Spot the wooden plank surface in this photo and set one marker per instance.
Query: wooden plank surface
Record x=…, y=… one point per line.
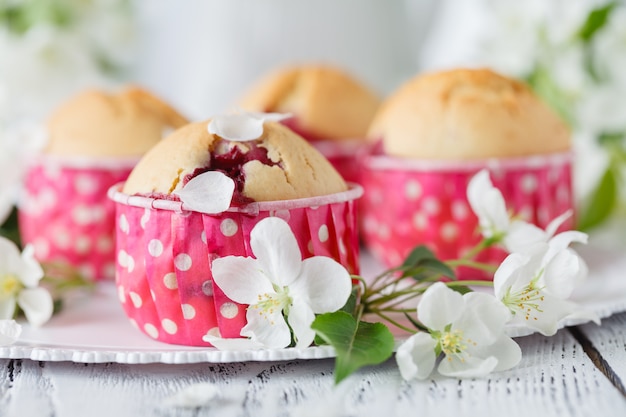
x=555, y=377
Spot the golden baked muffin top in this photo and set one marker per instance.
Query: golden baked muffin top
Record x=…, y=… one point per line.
x=465, y=114
x=327, y=102
x=100, y=124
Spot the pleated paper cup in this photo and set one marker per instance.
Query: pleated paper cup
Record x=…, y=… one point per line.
x=64, y=211
x=411, y=202
x=164, y=256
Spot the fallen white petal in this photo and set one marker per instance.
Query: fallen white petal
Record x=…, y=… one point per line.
x=196, y=395
x=210, y=192
x=232, y=343
x=9, y=332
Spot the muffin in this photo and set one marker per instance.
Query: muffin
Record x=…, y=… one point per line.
x=165, y=249
x=437, y=131
x=329, y=108
x=94, y=140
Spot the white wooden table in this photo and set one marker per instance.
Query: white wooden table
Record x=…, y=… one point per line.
x=578, y=372
x=581, y=371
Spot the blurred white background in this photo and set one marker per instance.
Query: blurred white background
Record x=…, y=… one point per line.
x=202, y=55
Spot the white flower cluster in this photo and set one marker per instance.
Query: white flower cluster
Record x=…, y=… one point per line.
x=55, y=47
x=573, y=53
x=531, y=290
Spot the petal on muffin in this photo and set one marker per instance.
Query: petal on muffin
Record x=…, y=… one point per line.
x=210, y=192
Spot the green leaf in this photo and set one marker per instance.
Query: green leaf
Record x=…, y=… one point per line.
x=417, y=255
x=429, y=268
x=422, y=263
x=463, y=289
x=601, y=202
x=349, y=307
x=544, y=86
x=357, y=344
x=595, y=21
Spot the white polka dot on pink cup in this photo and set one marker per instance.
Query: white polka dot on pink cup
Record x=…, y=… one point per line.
x=65, y=213
x=164, y=255
x=413, y=202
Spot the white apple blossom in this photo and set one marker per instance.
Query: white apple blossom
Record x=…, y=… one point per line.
x=9, y=332
x=536, y=285
x=45, y=58
x=19, y=279
x=282, y=291
x=469, y=330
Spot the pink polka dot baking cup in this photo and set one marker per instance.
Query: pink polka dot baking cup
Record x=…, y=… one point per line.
x=409, y=202
x=164, y=256
x=65, y=214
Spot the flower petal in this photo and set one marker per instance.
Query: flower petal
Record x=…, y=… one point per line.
x=272, y=116
x=554, y=225
x=241, y=279
x=469, y=367
x=508, y=353
x=31, y=271
x=267, y=328
x=239, y=343
x=194, y=396
x=562, y=273
x=7, y=308
x=10, y=262
x=439, y=306
x=324, y=285
x=504, y=349
x=238, y=127
x=210, y=192
x=300, y=318
x=416, y=356
x=9, y=332
x=488, y=204
x=546, y=318
x=561, y=241
x=517, y=270
x=36, y=304
x=483, y=319
x=276, y=249
x=522, y=235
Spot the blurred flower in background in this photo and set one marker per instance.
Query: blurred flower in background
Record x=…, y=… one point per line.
x=52, y=48
x=49, y=49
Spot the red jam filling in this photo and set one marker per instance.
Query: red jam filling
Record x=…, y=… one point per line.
x=231, y=164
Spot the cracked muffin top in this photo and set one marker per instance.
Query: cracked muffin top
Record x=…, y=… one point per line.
x=278, y=165
x=326, y=102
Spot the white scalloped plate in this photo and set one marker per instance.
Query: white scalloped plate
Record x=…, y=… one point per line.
x=94, y=329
